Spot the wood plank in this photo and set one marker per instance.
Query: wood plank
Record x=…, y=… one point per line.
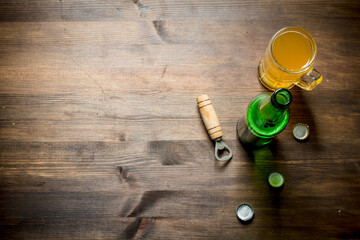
x=159, y=223
x=50, y=34
x=40, y=10
x=73, y=117
x=107, y=156
x=244, y=177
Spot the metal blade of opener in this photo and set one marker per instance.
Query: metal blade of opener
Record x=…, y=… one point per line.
x=221, y=146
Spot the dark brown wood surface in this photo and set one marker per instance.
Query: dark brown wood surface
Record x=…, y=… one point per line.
x=101, y=137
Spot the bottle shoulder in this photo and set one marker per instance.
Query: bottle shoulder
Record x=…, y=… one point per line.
x=261, y=124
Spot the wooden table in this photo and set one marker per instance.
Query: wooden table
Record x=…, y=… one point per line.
x=101, y=137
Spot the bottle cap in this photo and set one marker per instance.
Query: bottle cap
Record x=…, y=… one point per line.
x=245, y=213
x=276, y=180
x=301, y=131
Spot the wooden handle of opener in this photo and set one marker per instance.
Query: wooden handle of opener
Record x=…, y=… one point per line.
x=209, y=116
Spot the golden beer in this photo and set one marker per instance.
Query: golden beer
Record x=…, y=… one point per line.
x=288, y=61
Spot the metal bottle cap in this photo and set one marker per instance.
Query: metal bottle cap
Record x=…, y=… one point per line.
x=276, y=180
x=245, y=213
x=301, y=131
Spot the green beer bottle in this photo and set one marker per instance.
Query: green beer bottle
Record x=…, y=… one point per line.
x=267, y=115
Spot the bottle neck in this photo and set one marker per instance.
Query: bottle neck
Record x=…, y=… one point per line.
x=272, y=108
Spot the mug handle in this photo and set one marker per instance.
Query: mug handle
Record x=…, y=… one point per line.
x=309, y=80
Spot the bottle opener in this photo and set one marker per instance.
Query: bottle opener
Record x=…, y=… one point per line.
x=212, y=126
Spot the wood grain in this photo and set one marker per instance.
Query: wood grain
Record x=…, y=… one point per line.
x=101, y=138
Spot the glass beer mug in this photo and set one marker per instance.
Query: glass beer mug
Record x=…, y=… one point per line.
x=288, y=61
